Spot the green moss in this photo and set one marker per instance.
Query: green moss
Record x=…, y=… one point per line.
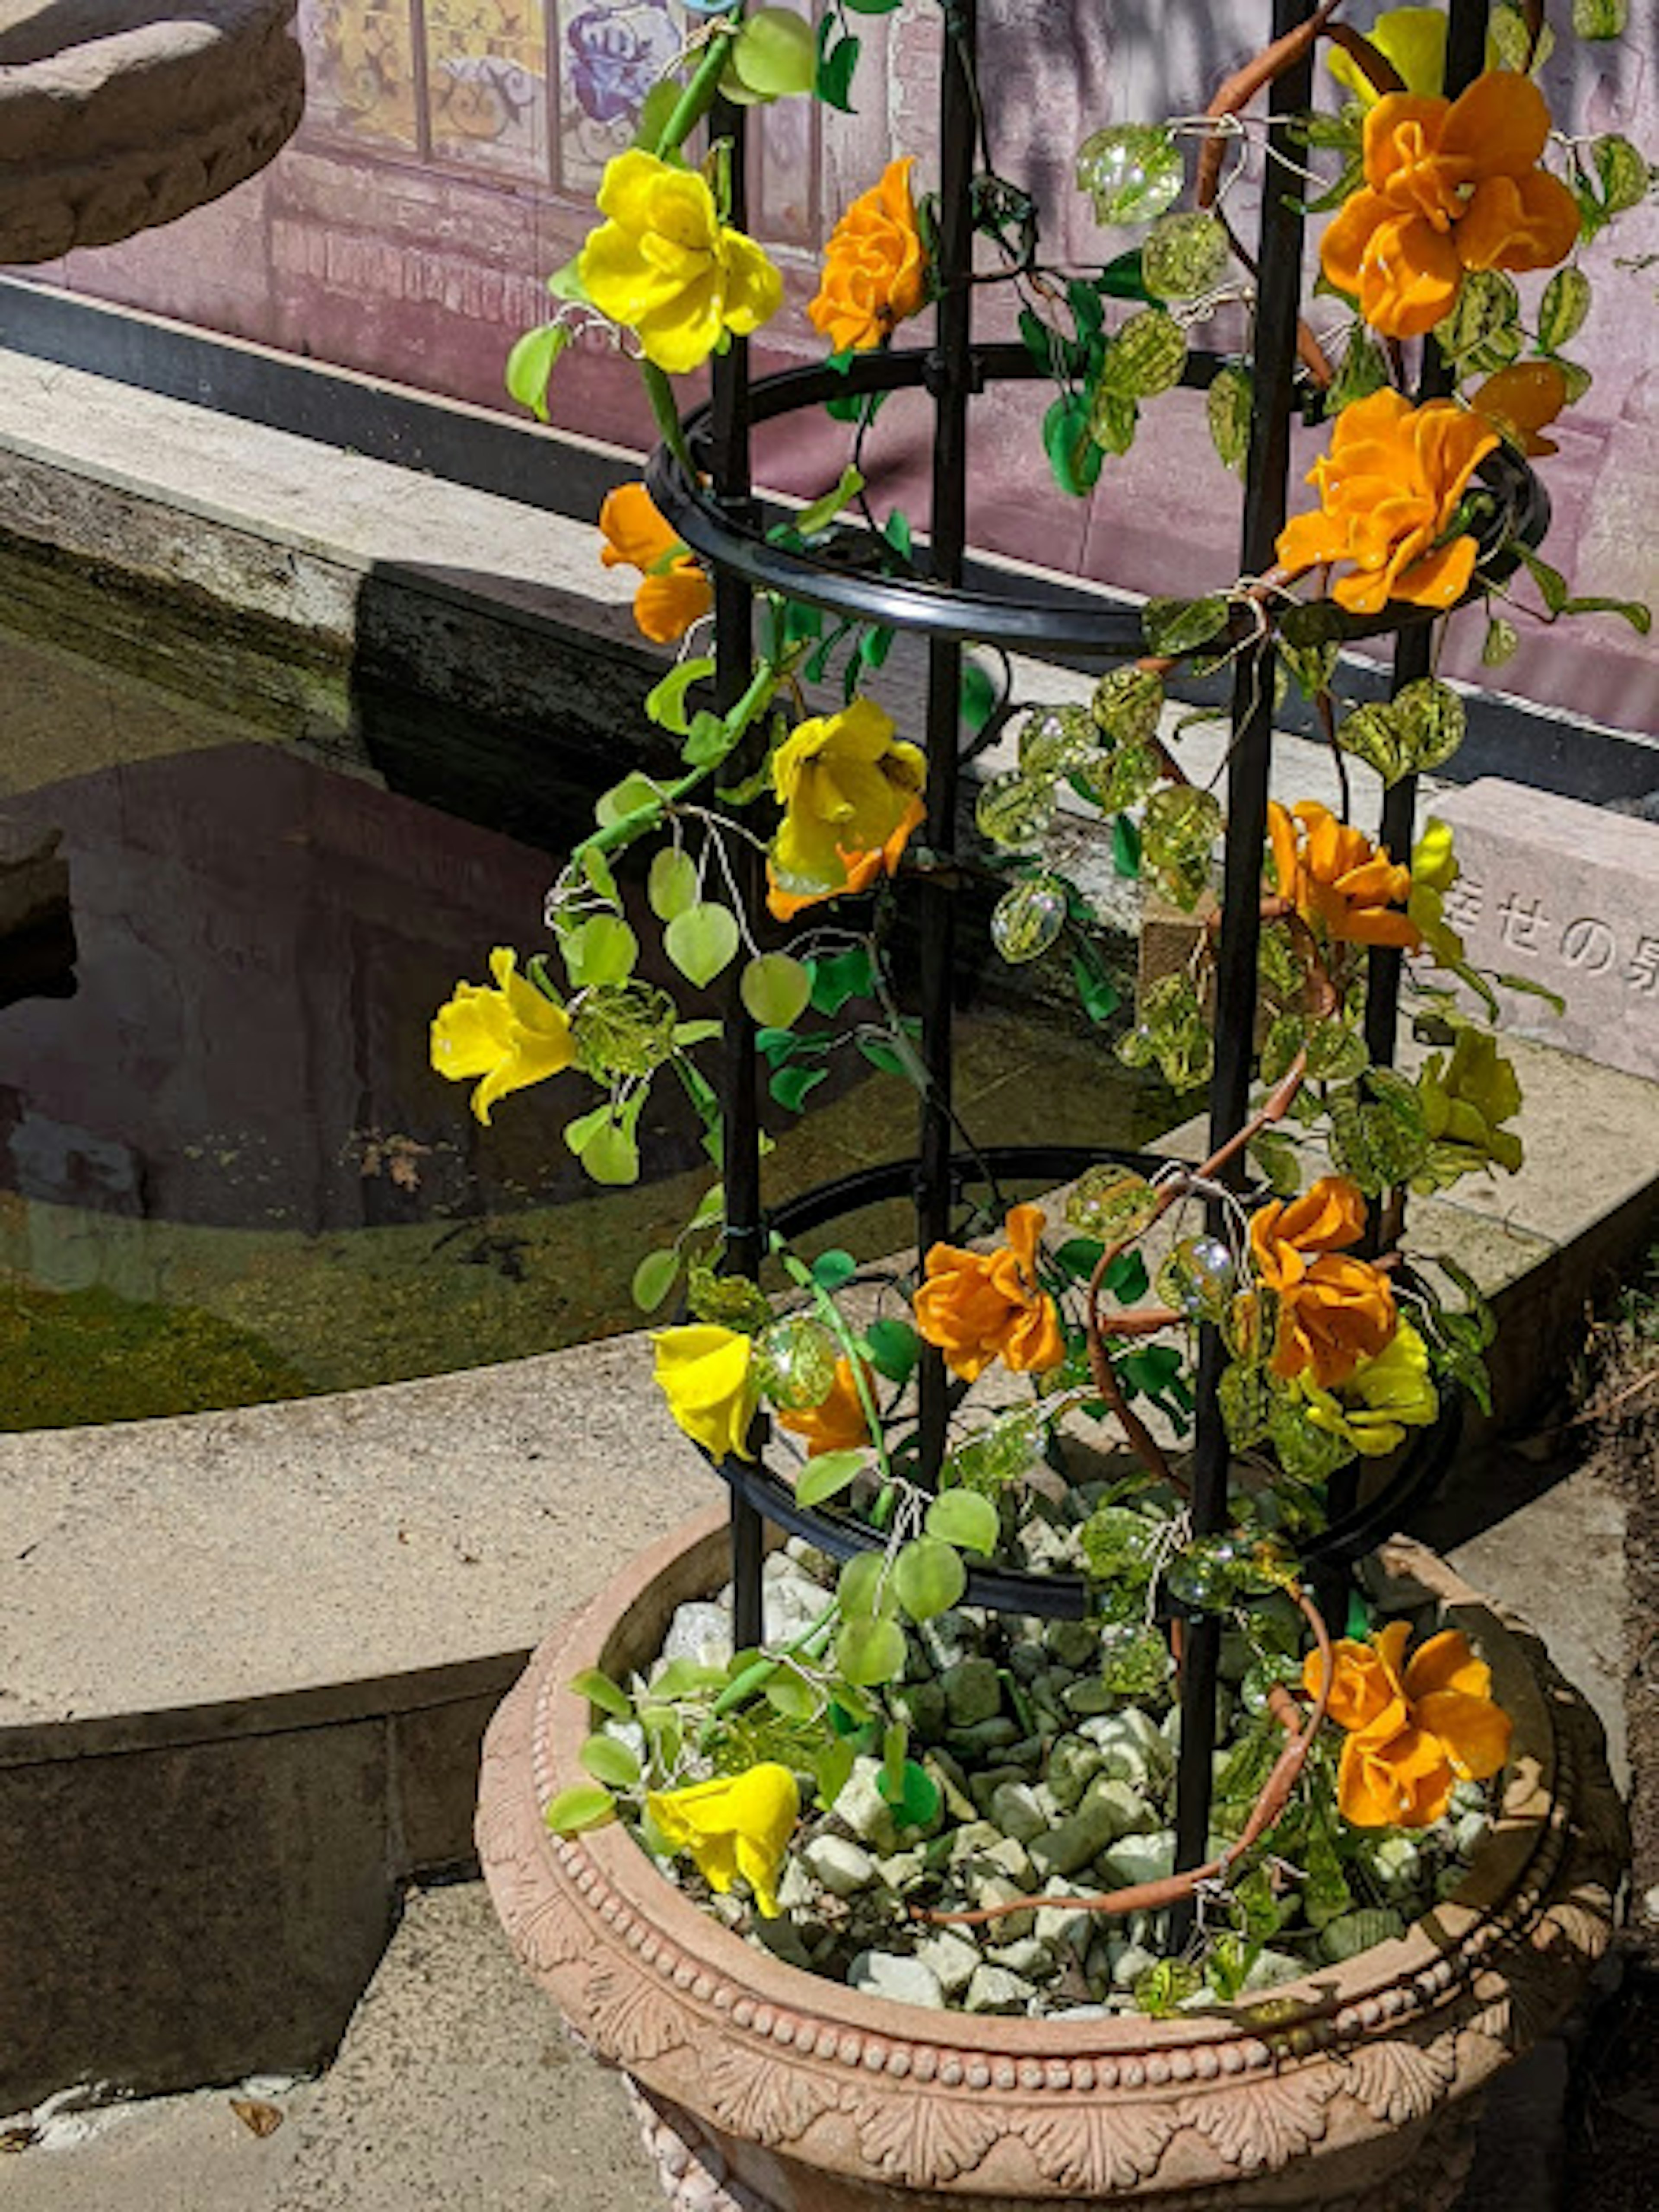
x=73, y=1357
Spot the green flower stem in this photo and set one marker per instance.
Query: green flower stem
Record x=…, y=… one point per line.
x=765, y=681
x=829, y=1314
x=807, y=1646
x=660, y=393
x=698, y=96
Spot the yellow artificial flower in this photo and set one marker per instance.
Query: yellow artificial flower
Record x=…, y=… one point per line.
x=739, y=1824
x=1464, y=1099
x=1434, y=870
x=1413, y=1730
x=707, y=1373
x=668, y=268
x=1381, y=1400
x=512, y=1035
x=846, y=784
x=1413, y=39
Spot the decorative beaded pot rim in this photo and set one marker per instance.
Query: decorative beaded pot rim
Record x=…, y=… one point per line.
x=776, y=2055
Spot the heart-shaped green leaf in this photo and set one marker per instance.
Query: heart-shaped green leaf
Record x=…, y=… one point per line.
x=701, y=941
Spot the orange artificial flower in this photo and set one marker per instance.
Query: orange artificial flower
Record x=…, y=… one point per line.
x=981, y=1306
x=1333, y=1311
x=875, y=273
x=1411, y=1734
x=862, y=868
x=1389, y=490
x=1520, y=400
x=675, y=592
x=1337, y=880
x=837, y=1423
x=1450, y=185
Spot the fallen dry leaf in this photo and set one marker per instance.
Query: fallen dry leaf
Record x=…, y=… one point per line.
x=261, y=2119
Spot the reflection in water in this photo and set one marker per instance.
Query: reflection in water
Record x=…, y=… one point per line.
x=227, y=1168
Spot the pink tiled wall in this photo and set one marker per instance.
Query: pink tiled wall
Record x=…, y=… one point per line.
x=446, y=166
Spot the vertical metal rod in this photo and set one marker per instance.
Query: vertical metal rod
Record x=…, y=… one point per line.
x=1277, y=305
x=1466, y=48
x=950, y=375
x=733, y=668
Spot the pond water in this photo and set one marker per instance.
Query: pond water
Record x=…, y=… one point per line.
x=228, y=1172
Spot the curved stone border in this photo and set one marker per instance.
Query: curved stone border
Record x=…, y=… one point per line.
x=1355, y=2063
x=150, y=115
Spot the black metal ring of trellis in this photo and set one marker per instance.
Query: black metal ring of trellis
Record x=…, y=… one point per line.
x=1011, y=1589
x=738, y=544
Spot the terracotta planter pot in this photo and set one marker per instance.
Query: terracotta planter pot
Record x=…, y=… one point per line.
x=766, y=2087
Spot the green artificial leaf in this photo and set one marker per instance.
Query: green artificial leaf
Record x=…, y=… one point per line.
x=1179, y=626
x=1626, y=177
x=1127, y=1279
x=1147, y=356
x=530, y=363
x=892, y=1347
x=708, y=740
x=963, y=1518
x=865, y=1588
x=790, y=1087
x=701, y=941
x=602, y=950
x=599, y=1690
x=671, y=885
x=915, y=1799
x=611, y=1154
x=823, y=511
x=634, y=794
x=588, y=1805
x=840, y=976
x=1068, y=439
x=836, y=64
x=609, y=1761
x=775, y=989
x=896, y=531
x=828, y=1475
x=1430, y=718
x=1482, y=330
x=655, y=1278
x=773, y=54
x=1562, y=310
x=1126, y=846
x=665, y=701
x=1227, y=409
x=788, y=1694
x=871, y=1651
x=1364, y=370
x=1114, y=418
x=832, y=1270
x=978, y=697
x=1639, y=617
x=929, y=1578
x=1097, y=995
x=1502, y=640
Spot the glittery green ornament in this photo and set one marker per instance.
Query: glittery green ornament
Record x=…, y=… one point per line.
x=1054, y=740
x=1027, y=919
x=1131, y=171
x=795, y=1362
x=1015, y=809
x=1184, y=254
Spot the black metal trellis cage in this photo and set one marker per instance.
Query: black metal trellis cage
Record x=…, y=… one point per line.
x=720, y=521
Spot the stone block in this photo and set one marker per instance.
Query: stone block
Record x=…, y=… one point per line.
x=1566, y=897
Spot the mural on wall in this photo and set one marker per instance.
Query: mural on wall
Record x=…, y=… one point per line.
x=486, y=74
x=360, y=71
x=611, y=53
